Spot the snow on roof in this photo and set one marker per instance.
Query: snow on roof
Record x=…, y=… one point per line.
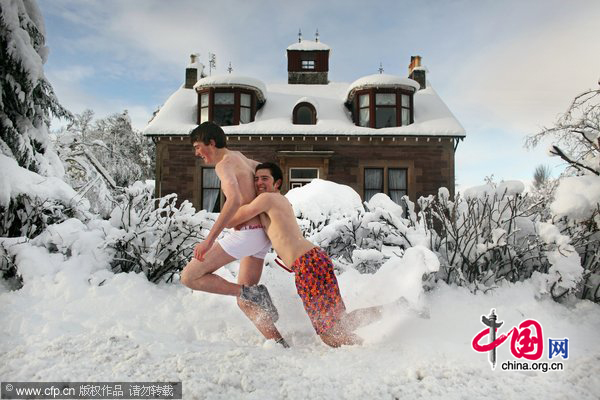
x=381, y=81
x=233, y=80
x=432, y=117
x=307, y=99
x=308, y=45
x=178, y=116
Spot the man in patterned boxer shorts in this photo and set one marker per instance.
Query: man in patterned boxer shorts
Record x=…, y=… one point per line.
x=315, y=279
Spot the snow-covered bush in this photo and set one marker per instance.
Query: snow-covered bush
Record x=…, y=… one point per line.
x=8, y=267
x=355, y=235
x=29, y=202
x=154, y=236
x=496, y=233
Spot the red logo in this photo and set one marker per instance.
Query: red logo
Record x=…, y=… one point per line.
x=527, y=340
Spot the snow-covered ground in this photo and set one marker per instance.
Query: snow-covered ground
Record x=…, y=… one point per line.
x=68, y=325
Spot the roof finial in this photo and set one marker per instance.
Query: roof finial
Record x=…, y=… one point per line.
x=229, y=69
x=380, y=68
x=212, y=62
x=299, y=35
x=317, y=35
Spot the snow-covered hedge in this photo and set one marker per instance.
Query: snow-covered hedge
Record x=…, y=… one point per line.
x=154, y=236
x=490, y=235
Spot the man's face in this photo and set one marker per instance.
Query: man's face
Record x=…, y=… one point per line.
x=205, y=151
x=264, y=182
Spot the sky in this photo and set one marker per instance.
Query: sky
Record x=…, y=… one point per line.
x=505, y=69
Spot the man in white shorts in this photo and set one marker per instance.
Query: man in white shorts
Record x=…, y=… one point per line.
x=248, y=243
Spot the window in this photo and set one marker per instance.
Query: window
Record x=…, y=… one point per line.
x=373, y=182
x=383, y=108
x=405, y=109
x=226, y=107
x=394, y=184
x=211, y=190
x=304, y=114
x=301, y=176
x=364, y=110
x=204, y=107
x=397, y=184
x=245, y=108
x=308, y=64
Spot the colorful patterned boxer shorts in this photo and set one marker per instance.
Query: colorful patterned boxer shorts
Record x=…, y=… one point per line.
x=318, y=288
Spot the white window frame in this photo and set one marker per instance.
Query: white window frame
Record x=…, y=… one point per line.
x=303, y=179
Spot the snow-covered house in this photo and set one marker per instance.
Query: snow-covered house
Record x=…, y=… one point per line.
x=381, y=133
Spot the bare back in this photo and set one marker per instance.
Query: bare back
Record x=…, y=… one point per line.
x=243, y=169
x=283, y=230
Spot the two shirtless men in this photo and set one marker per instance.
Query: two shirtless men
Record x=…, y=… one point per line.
x=261, y=221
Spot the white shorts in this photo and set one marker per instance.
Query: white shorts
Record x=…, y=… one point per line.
x=246, y=242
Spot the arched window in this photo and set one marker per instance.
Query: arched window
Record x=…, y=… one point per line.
x=304, y=114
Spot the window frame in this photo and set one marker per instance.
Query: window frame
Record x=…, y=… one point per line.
x=237, y=106
x=385, y=170
x=299, y=182
x=383, y=180
x=372, y=93
x=312, y=109
x=203, y=188
x=308, y=65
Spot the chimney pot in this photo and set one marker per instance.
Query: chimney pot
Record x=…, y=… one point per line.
x=416, y=72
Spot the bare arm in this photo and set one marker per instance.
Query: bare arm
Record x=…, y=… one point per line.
x=257, y=206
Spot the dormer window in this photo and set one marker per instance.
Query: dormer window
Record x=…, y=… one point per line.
x=383, y=108
x=304, y=114
x=229, y=99
x=227, y=107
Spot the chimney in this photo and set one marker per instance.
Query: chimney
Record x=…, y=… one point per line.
x=194, y=71
x=417, y=72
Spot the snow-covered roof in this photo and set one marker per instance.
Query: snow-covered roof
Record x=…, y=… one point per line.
x=432, y=117
x=308, y=45
x=381, y=81
x=231, y=80
x=178, y=116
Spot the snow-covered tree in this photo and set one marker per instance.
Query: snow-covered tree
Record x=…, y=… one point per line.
x=576, y=134
x=103, y=156
x=123, y=152
x=27, y=100
x=575, y=205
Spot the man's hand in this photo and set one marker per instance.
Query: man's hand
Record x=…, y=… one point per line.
x=201, y=248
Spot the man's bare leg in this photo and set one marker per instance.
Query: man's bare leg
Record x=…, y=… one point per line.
x=361, y=317
x=250, y=272
x=198, y=275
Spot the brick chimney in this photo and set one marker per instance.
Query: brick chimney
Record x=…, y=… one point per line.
x=194, y=71
x=417, y=72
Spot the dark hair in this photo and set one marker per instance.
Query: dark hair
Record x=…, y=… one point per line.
x=207, y=131
x=275, y=171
